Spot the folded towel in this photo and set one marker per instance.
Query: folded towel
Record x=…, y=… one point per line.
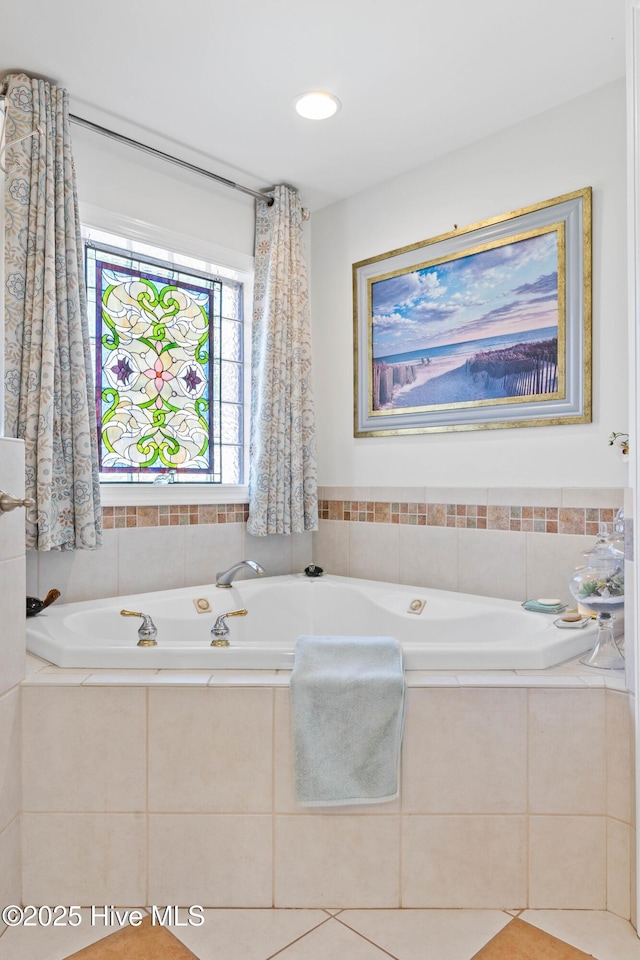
x=347, y=714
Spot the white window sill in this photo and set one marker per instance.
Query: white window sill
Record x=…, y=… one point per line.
x=136, y=495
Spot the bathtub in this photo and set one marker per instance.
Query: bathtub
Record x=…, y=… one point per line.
x=444, y=631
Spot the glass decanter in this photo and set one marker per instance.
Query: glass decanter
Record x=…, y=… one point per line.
x=598, y=587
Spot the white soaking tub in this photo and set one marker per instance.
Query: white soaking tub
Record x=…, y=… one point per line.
x=452, y=631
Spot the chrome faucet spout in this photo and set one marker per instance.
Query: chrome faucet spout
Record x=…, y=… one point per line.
x=225, y=577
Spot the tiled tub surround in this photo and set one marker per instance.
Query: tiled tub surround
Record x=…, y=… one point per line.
x=513, y=543
x=503, y=542
x=177, y=788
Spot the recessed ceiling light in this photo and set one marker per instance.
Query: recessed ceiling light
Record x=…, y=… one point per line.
x=317, y=105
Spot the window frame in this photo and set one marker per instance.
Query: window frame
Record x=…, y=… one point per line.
x=241, y=267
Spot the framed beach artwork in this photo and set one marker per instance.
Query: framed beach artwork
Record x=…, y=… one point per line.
x=486, y=327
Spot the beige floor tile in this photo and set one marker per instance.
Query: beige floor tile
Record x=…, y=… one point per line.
x=417, y=934
x=247, y=934
x=51, y=943
x=594, y=931
x=332, y=940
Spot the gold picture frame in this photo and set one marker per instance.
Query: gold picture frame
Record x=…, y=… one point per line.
x=485, y=327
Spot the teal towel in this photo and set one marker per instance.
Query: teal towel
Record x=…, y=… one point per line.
x=347, y=715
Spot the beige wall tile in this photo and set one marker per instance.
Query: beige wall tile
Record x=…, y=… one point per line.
x=210, y=750
x=84, y=749
x=212, y=860
x=84, y=859
x=81, y=574
x=12, y=632
x=150, y=558
x=10, y=793
x=456, y=495
x=10, y=874
x=272, y=552
x=210, y=548
x=593, y=497
x=619, y=754
x=464, y=751
x=346, y=861
x=620, y=858
x=301, y=551
x=346, y=493
x=283, y=792
x=492, y=563
x=429, y=556
x=567, y=863
x=396, y=494
x=374, y=551
x=32, y=583
x=525, y=496
x=567, y=751
x=551, y=559
x=472, y=862
x=331, y=546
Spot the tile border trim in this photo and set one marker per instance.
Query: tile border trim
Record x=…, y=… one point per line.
x=515, y=518
x=480, y=516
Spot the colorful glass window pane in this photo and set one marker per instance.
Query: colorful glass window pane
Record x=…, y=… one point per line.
x=158, y=366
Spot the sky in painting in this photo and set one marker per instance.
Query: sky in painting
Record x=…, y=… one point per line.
x=506, y=290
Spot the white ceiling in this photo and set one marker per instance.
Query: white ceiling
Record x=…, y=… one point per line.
x=214, y=80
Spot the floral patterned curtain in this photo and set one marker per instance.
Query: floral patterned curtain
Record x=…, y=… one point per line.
x=282, y=479
x=49, y=398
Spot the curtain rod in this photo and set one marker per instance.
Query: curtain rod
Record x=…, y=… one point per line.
x=165, y=156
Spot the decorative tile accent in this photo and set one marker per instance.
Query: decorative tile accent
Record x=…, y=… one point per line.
x=521, y=519
x=470, y=516
x=174, y=515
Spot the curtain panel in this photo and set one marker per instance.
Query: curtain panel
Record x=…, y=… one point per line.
x=282, y=477
x=49, y=394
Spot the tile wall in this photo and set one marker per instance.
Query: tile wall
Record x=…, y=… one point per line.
x=511, y=796
x=12, y=665
x=505, y=542
x=514, y=543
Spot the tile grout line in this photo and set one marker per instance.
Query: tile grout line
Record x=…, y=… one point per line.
x=368, y=940
x=301, y=937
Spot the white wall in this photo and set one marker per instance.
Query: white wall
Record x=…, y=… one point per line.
x=579, y=144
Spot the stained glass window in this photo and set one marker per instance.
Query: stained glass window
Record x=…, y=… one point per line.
x=168, y=361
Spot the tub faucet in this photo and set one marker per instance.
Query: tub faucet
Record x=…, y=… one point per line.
x=225, y=578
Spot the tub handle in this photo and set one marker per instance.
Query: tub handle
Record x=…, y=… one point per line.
x=147, y=632
x=220, y=630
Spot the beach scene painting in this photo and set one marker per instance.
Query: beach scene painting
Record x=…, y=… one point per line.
x=484, y=327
